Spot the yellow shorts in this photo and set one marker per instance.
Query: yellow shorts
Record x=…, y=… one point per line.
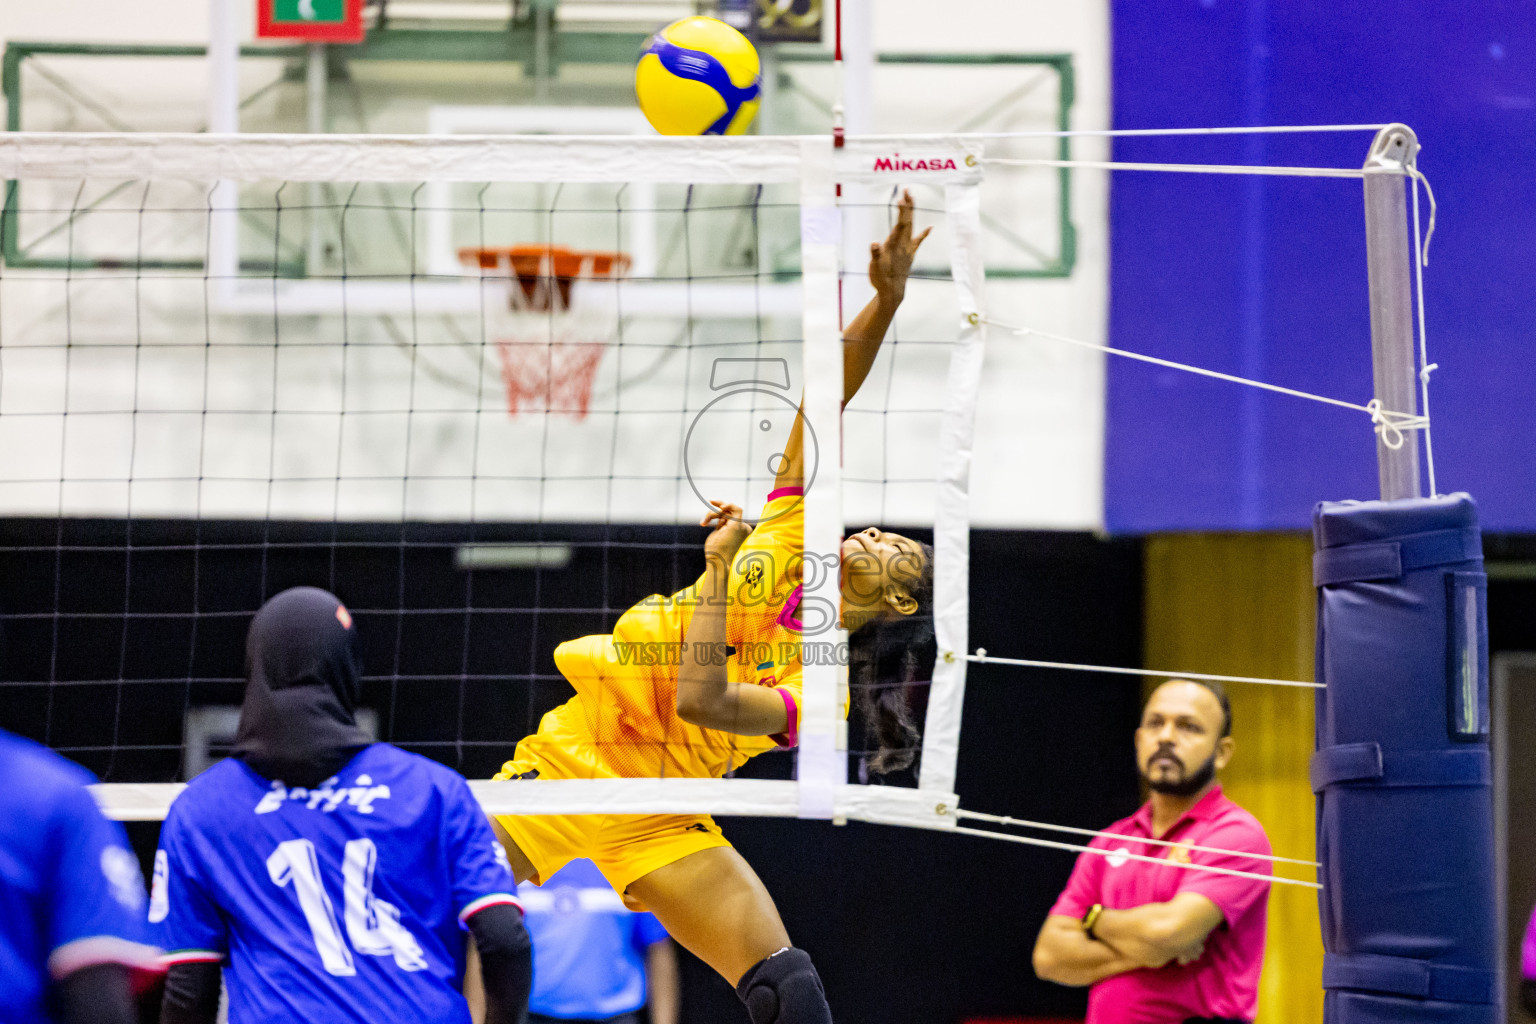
x=625, y=847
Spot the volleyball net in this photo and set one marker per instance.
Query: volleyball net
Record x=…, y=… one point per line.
x=479, y=387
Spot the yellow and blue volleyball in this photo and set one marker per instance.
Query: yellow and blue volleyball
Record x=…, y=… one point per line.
x=699, y=76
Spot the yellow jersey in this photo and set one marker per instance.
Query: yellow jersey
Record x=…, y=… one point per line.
x=623, y=720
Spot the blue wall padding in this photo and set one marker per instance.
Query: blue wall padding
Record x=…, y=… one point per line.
x=1402, y=775
x=1266, y=277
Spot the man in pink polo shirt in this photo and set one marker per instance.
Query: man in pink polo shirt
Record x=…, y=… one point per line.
x=1160, y=943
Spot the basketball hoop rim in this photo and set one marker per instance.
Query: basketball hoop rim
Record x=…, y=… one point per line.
x=537, y=274
x=561, y=261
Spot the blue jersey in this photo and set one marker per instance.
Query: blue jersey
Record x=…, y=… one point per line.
x=71, y=894
x=588, y=948
x=340, y=903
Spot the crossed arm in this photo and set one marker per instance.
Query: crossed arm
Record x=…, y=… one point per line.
x=705, y=696
x=1150, y=935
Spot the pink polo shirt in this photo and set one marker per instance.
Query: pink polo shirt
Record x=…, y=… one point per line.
x=1224, y=982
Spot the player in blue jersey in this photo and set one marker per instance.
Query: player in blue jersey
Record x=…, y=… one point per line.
x=72, y=938
x=331, y=877
x=595, y=960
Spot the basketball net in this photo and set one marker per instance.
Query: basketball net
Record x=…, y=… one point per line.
x=549, y=337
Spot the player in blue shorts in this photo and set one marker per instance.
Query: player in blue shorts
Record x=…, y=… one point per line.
x=331, y=877
x=72, y=938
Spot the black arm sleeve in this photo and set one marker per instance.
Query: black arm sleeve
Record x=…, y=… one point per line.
x=1528, y=995
x=506, y=962
x=99, y=994
x=191, y=994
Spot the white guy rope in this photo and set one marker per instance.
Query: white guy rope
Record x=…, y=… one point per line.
x=1116, y=165
x=1003, y=819
x=1280, y=171
x=1050, y=844
x=981, y=657
x=1389, y=423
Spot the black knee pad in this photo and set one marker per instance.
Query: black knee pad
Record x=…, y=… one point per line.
x=784, y=989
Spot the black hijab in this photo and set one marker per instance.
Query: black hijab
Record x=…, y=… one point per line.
x=303, y=676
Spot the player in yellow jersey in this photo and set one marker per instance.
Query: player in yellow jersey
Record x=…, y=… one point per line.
x=657, y=698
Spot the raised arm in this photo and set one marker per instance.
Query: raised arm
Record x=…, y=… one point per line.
x=890, y=263
x=705, y=696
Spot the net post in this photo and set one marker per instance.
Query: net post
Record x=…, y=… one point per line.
x=1393, y=153
x=823, y=762
x=952, y=502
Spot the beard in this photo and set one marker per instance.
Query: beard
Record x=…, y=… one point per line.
x=1187, y=785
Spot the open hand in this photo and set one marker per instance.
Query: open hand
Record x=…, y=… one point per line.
x=891, y=261
x=728, y=533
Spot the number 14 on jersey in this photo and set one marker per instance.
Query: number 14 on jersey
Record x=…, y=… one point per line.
x=373, y=925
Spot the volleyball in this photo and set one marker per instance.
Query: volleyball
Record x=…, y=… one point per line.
x=698, y=76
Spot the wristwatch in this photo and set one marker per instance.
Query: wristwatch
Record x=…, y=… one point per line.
x=1092, y=918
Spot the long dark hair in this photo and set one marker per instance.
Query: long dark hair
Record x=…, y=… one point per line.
x=887, y=657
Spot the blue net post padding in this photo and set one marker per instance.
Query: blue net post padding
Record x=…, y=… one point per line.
x=1401, y=772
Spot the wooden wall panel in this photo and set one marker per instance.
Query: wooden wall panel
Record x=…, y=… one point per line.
x=1243, y=604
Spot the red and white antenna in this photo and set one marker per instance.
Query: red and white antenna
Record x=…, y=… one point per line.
x=839, y=133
